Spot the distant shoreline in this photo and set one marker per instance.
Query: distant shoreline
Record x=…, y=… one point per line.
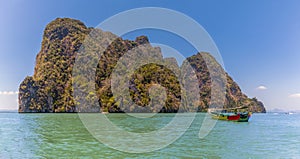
x=8, y=111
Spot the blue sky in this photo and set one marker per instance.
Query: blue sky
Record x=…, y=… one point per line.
x=259, y=41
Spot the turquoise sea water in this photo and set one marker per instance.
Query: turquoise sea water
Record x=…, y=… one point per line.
x=64, y=136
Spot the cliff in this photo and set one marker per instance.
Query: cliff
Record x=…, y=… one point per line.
x=50, y=88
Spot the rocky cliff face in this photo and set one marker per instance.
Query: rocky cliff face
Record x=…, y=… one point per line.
x=233, y=95
x=50, y=88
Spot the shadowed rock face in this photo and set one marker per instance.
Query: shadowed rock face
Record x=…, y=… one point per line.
x=50, y=88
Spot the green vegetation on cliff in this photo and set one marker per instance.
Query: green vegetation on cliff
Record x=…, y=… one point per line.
x=50, y=88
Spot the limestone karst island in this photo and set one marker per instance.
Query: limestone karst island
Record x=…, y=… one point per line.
x=50, y=89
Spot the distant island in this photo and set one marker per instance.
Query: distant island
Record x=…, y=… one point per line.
x=50, y=89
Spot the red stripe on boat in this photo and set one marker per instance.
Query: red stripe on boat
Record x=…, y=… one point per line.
x=234, y=117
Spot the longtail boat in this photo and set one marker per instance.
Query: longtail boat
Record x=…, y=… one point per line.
x=239, y=117
x=231, y=116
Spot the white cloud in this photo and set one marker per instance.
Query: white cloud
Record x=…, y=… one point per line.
x=8, y=92
x=296, y=95
x=261, y=88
